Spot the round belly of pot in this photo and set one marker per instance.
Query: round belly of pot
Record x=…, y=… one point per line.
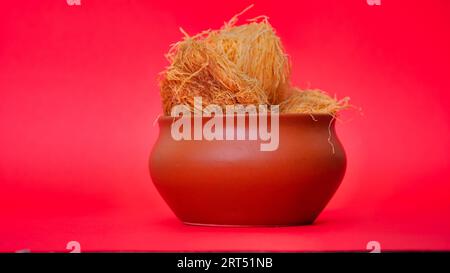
x=236, y=183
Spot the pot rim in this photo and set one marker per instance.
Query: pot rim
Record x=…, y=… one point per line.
x=163, y=117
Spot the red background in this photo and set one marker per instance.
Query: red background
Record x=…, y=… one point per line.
x=79, y=95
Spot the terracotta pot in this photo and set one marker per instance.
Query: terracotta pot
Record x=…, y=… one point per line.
x=223, y=182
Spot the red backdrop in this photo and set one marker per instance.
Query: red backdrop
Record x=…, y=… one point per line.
x=79, y=95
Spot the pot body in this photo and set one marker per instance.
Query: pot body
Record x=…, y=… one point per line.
x=233, y=182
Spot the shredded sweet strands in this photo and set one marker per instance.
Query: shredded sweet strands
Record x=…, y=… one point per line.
x=313, y=102
x=243, y=64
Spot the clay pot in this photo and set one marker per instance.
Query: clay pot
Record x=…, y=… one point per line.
x=223, y=182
